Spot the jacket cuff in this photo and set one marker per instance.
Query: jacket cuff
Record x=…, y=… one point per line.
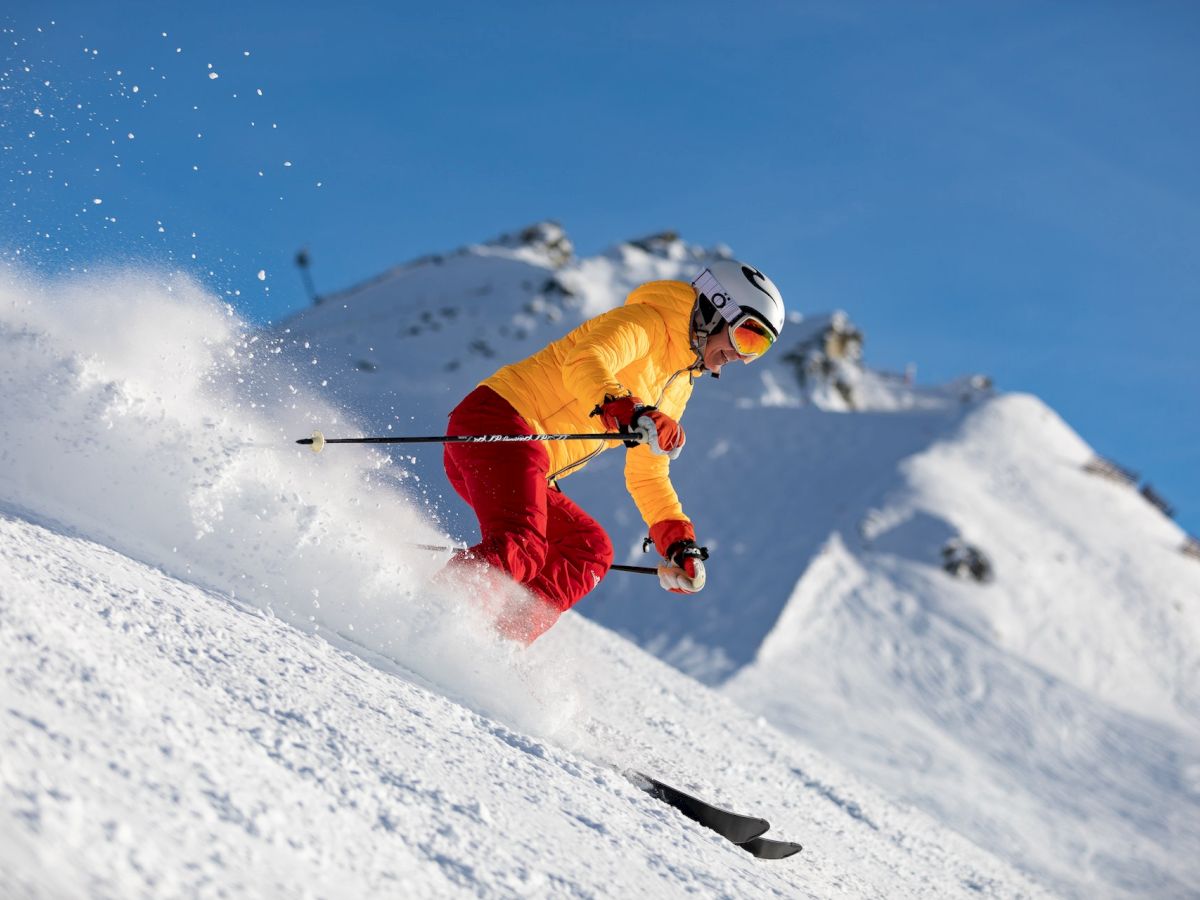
x=614, y=390
x=670, y=531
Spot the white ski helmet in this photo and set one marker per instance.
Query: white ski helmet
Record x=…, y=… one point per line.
x=728, y=291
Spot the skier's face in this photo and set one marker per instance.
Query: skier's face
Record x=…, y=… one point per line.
x=718, y=351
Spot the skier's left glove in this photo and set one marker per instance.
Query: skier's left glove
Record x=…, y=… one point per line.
x=660, y=432
x=683, y=569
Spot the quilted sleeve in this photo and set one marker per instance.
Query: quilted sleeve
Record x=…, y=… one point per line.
x=648, y=479
x=613, y=341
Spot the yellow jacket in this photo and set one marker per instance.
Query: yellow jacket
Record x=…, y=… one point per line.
x=643, y=348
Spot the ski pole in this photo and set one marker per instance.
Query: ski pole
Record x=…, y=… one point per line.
x=318, y=440
x=637, y=570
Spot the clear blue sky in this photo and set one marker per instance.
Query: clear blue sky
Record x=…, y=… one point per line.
x=1009, y=188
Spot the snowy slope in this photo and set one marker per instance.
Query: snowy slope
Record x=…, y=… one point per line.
x=224, y=673
x=1050, y=715
x=1064, y=693
x=162, y=741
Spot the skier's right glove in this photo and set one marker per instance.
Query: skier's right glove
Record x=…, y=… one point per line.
x=648, y=424
x=619, y=414
x=683, y=569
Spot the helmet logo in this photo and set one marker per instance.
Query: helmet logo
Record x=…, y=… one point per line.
x=751, y=275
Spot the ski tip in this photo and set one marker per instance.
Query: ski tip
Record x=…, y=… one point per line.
x=766, y=848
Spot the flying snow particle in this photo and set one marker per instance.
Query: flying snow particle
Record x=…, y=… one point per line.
x=287, y=163
x=97, y=201
x=136, y=88
x=259, y=91
x=130, y=135
x=262, y=274
x=213, y=76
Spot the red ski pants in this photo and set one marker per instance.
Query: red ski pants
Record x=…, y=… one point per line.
x=533, y=533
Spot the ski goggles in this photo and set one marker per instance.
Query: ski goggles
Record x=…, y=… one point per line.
x=750, y=337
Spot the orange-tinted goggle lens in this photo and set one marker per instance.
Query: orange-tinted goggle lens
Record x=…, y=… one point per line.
x=751, y=338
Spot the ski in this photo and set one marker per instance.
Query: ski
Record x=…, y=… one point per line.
x=766, y=848
x=730, y=825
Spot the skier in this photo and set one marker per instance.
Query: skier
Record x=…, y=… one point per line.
x=628, y=370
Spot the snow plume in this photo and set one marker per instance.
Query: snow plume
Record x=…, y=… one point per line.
x=145, y=415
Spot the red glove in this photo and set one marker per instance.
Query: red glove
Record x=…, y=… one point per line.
x=683, y=569
x=650, y=425
x=618, y=413
x=664, y=435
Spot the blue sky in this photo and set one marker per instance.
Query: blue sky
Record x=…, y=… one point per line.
x=1008, y=188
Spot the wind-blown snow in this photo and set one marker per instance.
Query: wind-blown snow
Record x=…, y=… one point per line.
x=146, y=416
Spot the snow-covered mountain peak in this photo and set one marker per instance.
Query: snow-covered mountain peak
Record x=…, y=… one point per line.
x=545, y=241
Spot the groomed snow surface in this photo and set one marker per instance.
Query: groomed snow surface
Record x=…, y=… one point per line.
x=222, y=676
